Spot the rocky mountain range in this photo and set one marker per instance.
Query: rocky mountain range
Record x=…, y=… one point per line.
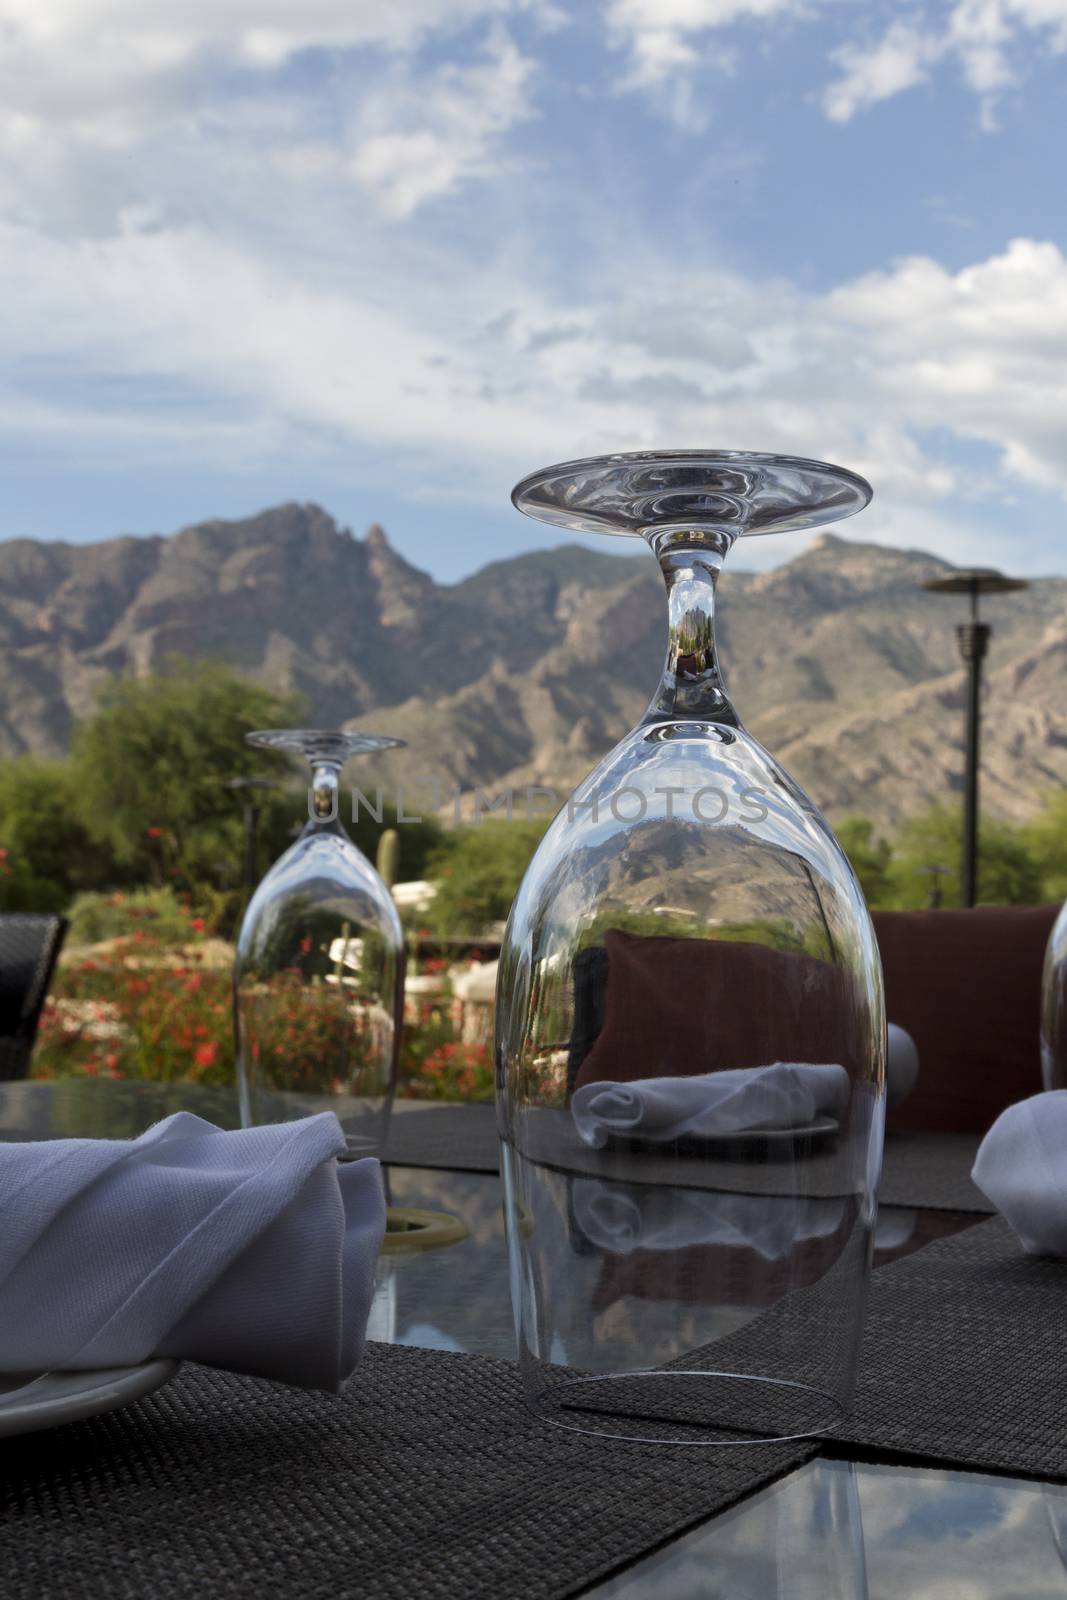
x=529, y=670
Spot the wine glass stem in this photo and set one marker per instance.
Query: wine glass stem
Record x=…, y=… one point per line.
x=325, y=793
x=692, y=684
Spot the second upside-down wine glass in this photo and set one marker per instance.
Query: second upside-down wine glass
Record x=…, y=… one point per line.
x=319, y=974
x=690, y=1028
x=1054, y=1007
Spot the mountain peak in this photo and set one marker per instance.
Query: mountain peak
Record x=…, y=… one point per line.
x=840, y=660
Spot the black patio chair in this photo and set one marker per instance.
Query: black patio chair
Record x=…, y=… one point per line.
x=29, y=948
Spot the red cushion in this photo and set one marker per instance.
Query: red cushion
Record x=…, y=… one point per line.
x=676, y=1007
x=967, y=986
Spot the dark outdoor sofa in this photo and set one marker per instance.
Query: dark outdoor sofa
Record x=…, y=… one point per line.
x=967, y=986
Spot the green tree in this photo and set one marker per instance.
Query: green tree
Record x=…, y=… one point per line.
x=1008, y=874
x=151, y=768
x=1046, y=838
x=870, y=857
x=478, y=869
x=48, y=853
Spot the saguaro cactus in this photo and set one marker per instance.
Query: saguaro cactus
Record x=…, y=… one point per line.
x=388, y=858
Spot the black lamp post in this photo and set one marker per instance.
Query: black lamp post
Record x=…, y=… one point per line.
x=973, y=639
x=251, y=821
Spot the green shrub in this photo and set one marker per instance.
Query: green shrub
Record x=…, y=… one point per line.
x=478, y=869
x=1046, y=839
x=46, y=853
x=1007, y=872
x=158, y=914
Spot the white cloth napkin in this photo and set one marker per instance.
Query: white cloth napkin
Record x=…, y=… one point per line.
x=252, y=1250
x=901, y=1064
x=646, y=1217
x=1022, y=1167
x=785, y=1095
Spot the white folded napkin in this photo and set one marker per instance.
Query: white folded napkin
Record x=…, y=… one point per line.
x=1022, y=1167
x=646, y=1217
x=901, y=1064
x=252, y=1250
x=785, y=1095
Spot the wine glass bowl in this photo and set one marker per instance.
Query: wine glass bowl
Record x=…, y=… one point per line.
x=319, y=970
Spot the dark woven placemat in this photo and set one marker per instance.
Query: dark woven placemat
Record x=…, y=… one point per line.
x=927, y=1170
x=964, y=1356
x=932, y=1171
x=427, y=1478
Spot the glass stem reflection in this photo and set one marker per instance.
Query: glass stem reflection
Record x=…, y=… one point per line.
x=324, y=796
x=692, y=685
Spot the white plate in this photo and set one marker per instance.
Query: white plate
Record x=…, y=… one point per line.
x=29, y=1401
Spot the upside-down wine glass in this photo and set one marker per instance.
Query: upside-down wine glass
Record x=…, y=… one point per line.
x=319, y=973
x=690, y=1027
x=1054, y=1007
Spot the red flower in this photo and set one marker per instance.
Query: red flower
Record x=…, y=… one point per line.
x=205, y=1054
x=154, y=833
x=197, y=924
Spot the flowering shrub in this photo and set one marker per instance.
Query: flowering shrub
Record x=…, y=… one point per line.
x=148, y=1007
x=435, y=1065
x=142, y=1010
x=309, y=1036
x=160, y=914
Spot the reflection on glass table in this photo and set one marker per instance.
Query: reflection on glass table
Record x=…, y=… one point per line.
x=835, y=1530
x=455, y=1297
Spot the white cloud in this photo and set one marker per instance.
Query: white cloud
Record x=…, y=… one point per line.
x=991, y=43
x=667, y=40
x=90, y=48
x=901, y=59
x=229, y=267
x=464, y=374
x=987, y=40
x=421, y=138
x=982, y=351
x=83, y=82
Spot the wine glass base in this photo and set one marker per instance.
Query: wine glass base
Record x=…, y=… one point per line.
x=743, y=491
x=408, y=1229
x=724, y=1409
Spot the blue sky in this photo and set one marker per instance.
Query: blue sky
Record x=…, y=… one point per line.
x=392, y=257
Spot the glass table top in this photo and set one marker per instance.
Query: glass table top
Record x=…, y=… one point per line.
x=828, y=1531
